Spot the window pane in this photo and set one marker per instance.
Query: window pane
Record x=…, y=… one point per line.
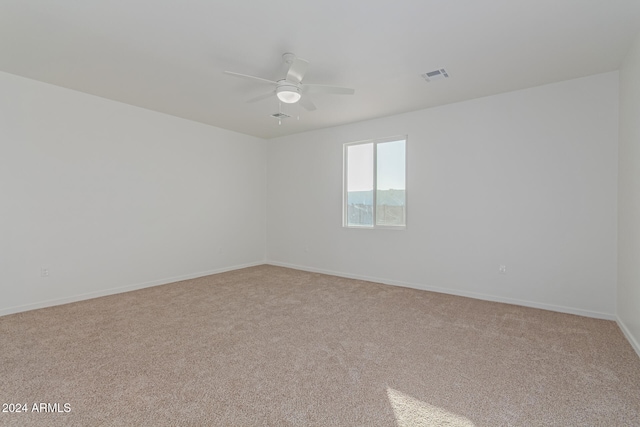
x=360, y=185
x=390, y=191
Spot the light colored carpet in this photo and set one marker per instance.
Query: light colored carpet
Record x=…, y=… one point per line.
x=270, y=346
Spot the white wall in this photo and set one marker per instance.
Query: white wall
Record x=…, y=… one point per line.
x=111, y=197
x=527, y=179
x=629, y=198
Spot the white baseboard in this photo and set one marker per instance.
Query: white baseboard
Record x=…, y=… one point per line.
x=120, y=289
x=493, y=298
x=133, y=287
x=627, y=333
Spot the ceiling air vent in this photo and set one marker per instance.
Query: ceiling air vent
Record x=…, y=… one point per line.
x=435, y=75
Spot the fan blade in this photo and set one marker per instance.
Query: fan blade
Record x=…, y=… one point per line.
x=307, y=104
x=297, y=70
x=261, y=97
x=327, y=89
x=244, y=76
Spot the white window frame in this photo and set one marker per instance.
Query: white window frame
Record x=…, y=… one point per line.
x=345, y=174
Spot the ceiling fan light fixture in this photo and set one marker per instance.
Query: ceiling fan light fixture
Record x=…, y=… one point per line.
x=289, y=94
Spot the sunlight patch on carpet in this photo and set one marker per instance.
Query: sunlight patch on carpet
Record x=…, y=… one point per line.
x=416, y=413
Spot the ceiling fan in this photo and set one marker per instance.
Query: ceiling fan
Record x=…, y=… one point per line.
x=291, y=89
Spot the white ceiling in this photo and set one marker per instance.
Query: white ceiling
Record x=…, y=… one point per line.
x=169, y=55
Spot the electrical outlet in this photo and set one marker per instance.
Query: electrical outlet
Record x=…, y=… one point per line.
x=502, y=269
x=44, y=272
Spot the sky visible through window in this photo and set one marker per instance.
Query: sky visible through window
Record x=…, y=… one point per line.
x=391, y=166
x=360, y=167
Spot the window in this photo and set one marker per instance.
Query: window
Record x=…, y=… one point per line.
x=375, y=176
